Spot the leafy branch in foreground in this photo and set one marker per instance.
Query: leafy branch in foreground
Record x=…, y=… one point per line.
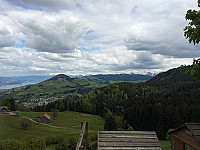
x=194, y=70
x=192, y=32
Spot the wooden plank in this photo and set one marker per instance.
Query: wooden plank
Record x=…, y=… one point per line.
x=198, y=137
x=128, y=132
x=134, y=140
x=125, y=136
x=196, y=132
x=129, y=148
x=98, y=141
x=127, y=140
x=127, y=144
x=194, y=126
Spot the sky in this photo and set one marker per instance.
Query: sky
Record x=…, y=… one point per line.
x=48, y=37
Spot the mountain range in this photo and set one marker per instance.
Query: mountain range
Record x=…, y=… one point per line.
x=17, y=81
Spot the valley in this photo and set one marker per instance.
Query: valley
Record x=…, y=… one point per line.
x=164, y=102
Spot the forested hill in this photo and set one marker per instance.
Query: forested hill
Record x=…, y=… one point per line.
x=171, y=76
x=123, y=77
x=141, y=106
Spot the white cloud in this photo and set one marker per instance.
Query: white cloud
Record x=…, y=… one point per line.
x=56, y=33
x=88, y=37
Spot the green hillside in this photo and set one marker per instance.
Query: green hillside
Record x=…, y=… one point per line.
x=165, y=102
x=62, y=86
x=56, y=87
x=171, y=76
x=68, y=121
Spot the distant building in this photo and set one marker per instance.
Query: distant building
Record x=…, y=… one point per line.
x=44, y=118
x=3, y=109
x=185, y=137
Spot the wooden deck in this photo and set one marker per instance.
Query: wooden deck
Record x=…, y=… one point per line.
x=128, y=140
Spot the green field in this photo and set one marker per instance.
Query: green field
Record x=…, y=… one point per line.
x=69, y=121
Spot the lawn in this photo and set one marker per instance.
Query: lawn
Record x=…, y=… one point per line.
x=69, y=121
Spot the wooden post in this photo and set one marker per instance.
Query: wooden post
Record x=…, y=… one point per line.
x=83, y=136
x=86, y=136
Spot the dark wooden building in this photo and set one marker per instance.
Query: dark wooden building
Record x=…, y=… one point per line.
x=44, y=118
x=185, y=137
x=128, y=140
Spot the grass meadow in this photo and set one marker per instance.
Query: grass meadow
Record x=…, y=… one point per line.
x=68, y=121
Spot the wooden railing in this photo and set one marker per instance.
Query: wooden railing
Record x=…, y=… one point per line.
x=82, y=142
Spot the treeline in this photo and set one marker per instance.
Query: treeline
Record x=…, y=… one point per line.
x=12, y=104
x=139, y=106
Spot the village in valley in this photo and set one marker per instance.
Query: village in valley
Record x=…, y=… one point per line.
x=41, y=101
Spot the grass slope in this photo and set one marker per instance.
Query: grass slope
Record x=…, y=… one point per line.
x=63, y=85
x=56, y=87
x=69, y=121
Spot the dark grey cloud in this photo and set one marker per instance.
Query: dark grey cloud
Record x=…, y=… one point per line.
x=6, y=37
x=44, y=4
x=176, y=47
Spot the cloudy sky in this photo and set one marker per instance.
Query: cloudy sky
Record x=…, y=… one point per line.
x=93, y=36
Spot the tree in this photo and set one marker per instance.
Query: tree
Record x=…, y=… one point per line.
x=55, y=114
x=109, y=123
x=194, y=70
x=192, y=32
x=12, y=104
x=9, y=101
x=24, y=123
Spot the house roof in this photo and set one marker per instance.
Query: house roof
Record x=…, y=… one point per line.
x=193, y=127
x=3, y=107
x=44, y=115
x=127, y=140
x=47, y=116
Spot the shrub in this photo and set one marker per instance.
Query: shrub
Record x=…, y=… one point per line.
x=168, y=136
x=18, y=113
x=54, y=140
x=36, y=143
x=11, y=144
x=24, y=123
x=72, y=144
